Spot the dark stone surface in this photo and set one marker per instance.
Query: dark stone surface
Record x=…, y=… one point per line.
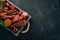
x=45, y=22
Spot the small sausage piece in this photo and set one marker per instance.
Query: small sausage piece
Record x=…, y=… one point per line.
x=3, y=0
x=7, y=4
x=20, y=11
x=12, y=27
x=15, y=30
x=3, y=16
x=4, y=13
x=14, y=10
x=6, y=8
x=15, y=13
x=12, y=7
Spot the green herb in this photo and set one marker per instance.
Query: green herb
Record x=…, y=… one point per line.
x=2, y=23
x=1, y=5
x=10, y=12
x=16, y=25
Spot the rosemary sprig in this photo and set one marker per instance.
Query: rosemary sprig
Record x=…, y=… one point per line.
x=1, y=5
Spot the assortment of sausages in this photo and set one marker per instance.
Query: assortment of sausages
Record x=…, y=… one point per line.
x=17, y=17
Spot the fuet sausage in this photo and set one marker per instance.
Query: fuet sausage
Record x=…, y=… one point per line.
x=7, y=16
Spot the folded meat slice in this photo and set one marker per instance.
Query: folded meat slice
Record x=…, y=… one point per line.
x=22, y=23
x=25, y=14
x=15, y=18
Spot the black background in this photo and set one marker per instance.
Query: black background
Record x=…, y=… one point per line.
x=45, y=22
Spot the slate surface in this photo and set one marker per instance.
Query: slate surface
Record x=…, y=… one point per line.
x=45, y=22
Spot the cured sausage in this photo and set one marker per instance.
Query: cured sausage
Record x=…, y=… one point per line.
x=7, y=16
x=15, y=18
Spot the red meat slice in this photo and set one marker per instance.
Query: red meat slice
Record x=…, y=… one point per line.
x=12, y=7
x=22, y=23
x=15, y=18
x=25, y=14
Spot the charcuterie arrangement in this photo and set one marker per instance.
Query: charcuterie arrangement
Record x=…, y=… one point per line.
x=11, y=17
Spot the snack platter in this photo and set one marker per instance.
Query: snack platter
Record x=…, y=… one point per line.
x=12, y=17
